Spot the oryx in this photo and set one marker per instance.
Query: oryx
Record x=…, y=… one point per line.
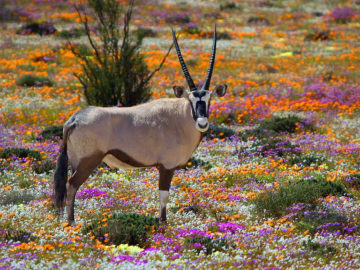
x=162, y=133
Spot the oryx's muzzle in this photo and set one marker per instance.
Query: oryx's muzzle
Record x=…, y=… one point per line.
x=202, y=124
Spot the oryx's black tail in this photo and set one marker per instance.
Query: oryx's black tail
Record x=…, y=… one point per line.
x=60, y=176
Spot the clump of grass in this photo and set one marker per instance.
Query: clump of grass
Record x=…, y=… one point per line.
x=20, y=153
x=281, y=124
x=16, y=236
x=315, y=221
x=206, y=244
x=306, y=160
x=52, y=133
x=319, y=35
x=274, y=147
x=192, y=30
x=15, y=197
x=353, y=180
x=317, y=248
x=258, y=20
x=275, y=125
x=42, y=29
x=143, y=32
x=219, y=131
x=126, y=228
x=30, y=80
x=307, y=191
x=43, y=167
x=197, y=162
x=228, y=5
x=72, y=33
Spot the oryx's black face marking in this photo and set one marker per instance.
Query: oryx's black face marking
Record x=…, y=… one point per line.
x=199, y=100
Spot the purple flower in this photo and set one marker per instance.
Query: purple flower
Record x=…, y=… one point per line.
x=90, y=193
x=342, y=15
x=122, y=258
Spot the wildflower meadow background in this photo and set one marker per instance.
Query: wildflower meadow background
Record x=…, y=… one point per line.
x=274, y=184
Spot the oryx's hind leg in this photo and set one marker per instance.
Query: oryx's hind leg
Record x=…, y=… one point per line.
x=164, y=186
x=78, y=177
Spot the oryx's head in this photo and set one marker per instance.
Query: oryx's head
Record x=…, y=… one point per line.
x=199, y=97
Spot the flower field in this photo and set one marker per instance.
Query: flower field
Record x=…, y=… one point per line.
x=274, y=184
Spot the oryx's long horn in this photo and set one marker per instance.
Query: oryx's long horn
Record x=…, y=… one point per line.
x=183, y=65
x=212, y=62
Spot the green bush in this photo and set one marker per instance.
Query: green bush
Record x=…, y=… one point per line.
x=281, y=124
x=15, y=197
x=196, y=162
x=306, y=160
x=142, y=32
x=51, y=133
x=113, y=74
x=127, y=228
x=228, y=5
x=20, y=153
x=353, y=180
x=16, y=236
x=274, y=146
x=44, y=167
x=275, y=204
x=319, y=249
x=219, y=131
x=206, y=244
x=72, y=33
x=273, y=126
x=30, y=80
x=315, y=221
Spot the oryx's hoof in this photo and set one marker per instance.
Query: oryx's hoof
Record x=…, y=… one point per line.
x=71, y=223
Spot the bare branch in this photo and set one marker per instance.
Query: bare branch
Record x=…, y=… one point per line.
x=159, y=67
x=87, y=30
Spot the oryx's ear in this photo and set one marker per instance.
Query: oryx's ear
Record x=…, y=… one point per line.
x=219, y=90
x=180, y=91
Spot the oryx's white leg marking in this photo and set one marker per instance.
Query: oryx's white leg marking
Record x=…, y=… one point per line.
x=163, y=198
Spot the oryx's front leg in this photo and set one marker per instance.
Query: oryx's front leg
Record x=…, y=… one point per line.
x=164, y=186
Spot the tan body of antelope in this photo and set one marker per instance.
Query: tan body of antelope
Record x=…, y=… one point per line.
x=162, y=133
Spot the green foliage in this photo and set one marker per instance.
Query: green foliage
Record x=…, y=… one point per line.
x=127, y=228
x=206, y=244
x=274, y=204
x=228, y=5
x=113, y=75
x=52, y=133
x=15, y=197
x=274, y=146
x=281, y=124
x=43, y=167
x=319, y=249
x=275, y=125
x=143, y=32
x=20, y=153
x=30, y=80
x=306, y=160
x=319, y=35
x=315, y=221
x=219, y=131
x=353, y=180
x=72, y=33
x=196, y=162
x=16, y=236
